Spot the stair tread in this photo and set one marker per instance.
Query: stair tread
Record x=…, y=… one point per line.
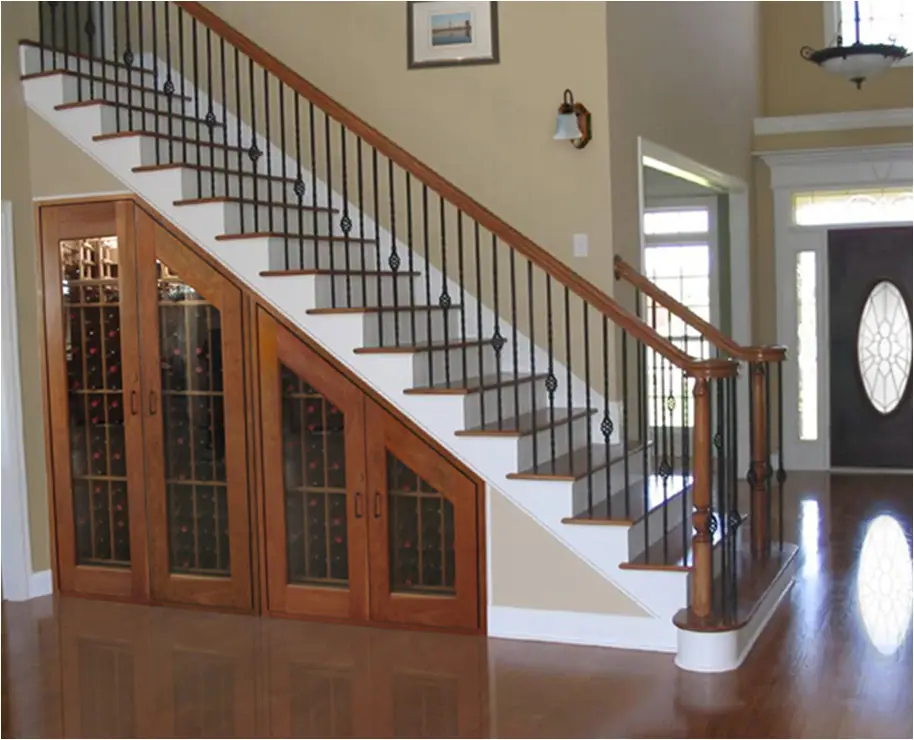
x=576, y=464
x=377, y=309
x=324, y=271
x=628, y=505
x=306, y=237
x=526, y=423
x=674, y=555
x=105, y=62
x=210, y=168
x=100, y=80
x=137, y=108
x=423, y=347
x=473, y=385
x=252, y=202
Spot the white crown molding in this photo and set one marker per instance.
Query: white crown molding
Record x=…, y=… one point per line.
x=874, y=166
x=848, y=121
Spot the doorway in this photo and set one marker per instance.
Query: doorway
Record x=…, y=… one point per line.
x=869, y=284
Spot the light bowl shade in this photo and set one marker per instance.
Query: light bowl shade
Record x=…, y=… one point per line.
x=566, y=127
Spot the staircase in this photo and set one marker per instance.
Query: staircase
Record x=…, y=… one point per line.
x=581, y=414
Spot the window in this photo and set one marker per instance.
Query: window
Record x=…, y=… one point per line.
x=807, y=347
x=677, y=258
x=881, y=22
x=835, y=207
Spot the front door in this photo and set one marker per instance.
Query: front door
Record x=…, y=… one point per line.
x=869, y=282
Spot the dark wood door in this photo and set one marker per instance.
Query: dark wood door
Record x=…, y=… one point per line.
x=869, y=273
x=194, y=422
x=314, y=480
x=422, y=530
x=88, y=259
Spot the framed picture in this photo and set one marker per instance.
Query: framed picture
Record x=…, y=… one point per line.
x=445, y=34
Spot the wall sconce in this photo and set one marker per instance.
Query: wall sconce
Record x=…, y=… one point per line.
x=573, y=122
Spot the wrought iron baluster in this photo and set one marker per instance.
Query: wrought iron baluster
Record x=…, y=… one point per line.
x=239, y=143
x=169, y=87
x=588, y=433
x=428, y=277
x=568, y=361
x=460, y=279
x=393, y=260
x=268, y=152
x=283, y=202
x=89, y=30
x=768, y=467
x=514, y=345
x=225, y=130
x=377, y=236
x=254, y=151
x=782, y=473
x=155, y=72
x=410, y=258
x=196, y=85
x=79, y=79
x=606, y=423
x=328, y=162
x=183, y=74
x=210, y=118
x=312, y=162
x=479, y=332
x=345, y=222
x=299, y=186
x=498, y=341
x=552, y=382
x=142, y=66
x=532, y=318
x=444, y=300
x=52, y=9
x=645, y=423
x=626, y=432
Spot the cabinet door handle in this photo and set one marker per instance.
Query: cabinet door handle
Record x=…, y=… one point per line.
x=377, y=505
x=153, y=406
x=358, y=505
x=133, y=408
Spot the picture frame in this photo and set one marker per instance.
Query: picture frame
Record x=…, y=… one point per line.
x=451, y=34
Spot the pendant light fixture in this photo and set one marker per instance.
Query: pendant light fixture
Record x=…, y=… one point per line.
x=857, y=62
x=573, y=122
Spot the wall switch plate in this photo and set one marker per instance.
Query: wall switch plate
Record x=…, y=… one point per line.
x=580, y=245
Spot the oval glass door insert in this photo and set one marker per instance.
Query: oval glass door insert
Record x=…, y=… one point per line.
x=884, y=347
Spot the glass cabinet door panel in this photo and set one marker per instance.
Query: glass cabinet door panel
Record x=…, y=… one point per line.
x=91, y=299
x=193, y=424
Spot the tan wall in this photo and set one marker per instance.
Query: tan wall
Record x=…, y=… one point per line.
x=524, y=556
x=37, y=161
x=487, y=128
x=792, y=86
x=683, y=75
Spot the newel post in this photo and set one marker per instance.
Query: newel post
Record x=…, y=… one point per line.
x=703, y=372
x=760, y=468
x=701, y=501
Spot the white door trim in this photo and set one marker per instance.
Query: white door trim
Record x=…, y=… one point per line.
x=740, y=279
x=861, y=167
x=16, y=549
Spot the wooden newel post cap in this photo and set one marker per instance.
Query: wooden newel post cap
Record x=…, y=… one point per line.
x=765, y=353
x=709, y=369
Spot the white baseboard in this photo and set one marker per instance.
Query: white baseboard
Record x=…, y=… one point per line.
x=578, y=628
x=40, y=584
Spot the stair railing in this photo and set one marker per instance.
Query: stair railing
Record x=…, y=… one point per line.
x=762, y=362
x=543, y=351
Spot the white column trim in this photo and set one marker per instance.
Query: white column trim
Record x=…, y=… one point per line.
x=16, y=548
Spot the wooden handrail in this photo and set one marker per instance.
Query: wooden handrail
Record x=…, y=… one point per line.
x=457, y=197
x=624, y=271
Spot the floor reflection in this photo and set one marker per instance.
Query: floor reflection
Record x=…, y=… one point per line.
x=835, y=661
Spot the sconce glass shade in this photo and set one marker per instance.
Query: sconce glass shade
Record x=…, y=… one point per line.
x=566, y=127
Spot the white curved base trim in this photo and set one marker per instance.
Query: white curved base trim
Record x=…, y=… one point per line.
x=579, y=628
x=718, y=652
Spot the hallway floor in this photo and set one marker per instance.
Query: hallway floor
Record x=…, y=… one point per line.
x=836, y=661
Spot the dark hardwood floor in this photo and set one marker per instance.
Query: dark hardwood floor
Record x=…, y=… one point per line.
x=836, y=660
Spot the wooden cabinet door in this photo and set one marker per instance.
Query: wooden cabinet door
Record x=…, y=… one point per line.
x=314, y=477
x=194, y=421
x=88, y=257
x=422, y=530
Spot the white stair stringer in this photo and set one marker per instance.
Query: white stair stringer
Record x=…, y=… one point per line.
x=661, y=594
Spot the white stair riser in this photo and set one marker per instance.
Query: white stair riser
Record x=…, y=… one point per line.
x=313, y=254
x=248, y=186
x=289, y=219
x=616, y=475
x=653, y=528
x=556, y=440
x=482, y=407
x=449, y=363
x=100, y=90
x=409, y=327
x=332, y=291
x=116, y=119
x=59, y=60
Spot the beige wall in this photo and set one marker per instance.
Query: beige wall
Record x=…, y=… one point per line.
x=792, y=86
x=37, y=161
x=683, y=75
x=487, y=128
x=524, y=555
